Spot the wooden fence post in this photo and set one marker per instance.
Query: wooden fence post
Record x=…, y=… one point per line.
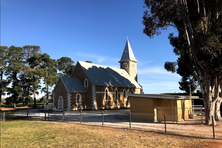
x=63, y=115
x=129, y=120
x=165, y=122
x=213, y=127
x=27, y=112
x=80, y=116
x=102, y=119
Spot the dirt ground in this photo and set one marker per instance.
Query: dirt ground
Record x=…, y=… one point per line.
x=187, y=129
x=132, y=136
x=10, y=108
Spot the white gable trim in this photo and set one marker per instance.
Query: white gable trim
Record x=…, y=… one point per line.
x=93, y=97
x=68, y=101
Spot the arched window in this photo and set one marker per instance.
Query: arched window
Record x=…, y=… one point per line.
x=78, y=99
x=106, y=95
x=132, y=91
x=60, y=103
x=116, y=95
x=124, y=93
x=86, y=83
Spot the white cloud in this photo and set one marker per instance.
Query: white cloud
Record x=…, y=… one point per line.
x=142, y=63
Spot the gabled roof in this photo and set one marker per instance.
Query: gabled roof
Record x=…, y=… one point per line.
x=128, y=53
x=108, y=76
x=73, y=84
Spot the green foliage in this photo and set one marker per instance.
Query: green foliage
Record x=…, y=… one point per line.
x=89, y=61
x=3, y=68
x=198, y=44
x=65, y=65
x=24, y=68
x=50, y=73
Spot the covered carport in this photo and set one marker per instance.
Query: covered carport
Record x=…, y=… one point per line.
x=149, y=107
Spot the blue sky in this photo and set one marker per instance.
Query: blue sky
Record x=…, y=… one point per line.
x=94, y=30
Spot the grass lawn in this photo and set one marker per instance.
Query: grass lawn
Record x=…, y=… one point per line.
x=60, y=134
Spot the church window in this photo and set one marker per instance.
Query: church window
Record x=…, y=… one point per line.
x=116, y=95
x=60, y=103
x=78, y=99
x=86, y=83
x=124, y=94
x=106, y=95
x=124, y=65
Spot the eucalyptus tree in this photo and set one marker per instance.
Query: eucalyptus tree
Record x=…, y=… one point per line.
x=182, y=66
x=199, y=26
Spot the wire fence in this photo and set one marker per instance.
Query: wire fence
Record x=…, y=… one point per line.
x=166, y=120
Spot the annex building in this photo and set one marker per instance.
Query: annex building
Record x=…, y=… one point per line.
x=93, y=86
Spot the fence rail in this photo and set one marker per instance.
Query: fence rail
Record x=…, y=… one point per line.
x=113, y=118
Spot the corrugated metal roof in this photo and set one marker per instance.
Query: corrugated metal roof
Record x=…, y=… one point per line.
x=128, y=53
x=73, y=84
x=108, y=76
x=162, y=96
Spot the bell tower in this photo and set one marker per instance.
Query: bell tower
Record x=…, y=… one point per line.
x=128, y=61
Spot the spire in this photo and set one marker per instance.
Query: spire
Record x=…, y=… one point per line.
x=128, y=53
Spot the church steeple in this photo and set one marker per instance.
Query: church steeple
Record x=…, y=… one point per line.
x=128, y=61
x=128, y=53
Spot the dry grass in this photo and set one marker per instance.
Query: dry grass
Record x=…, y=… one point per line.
x=56, y=134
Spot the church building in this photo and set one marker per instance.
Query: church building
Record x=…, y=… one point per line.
x=93, y=86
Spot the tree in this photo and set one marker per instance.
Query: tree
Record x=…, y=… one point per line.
x=184, y=66
x=31, y=72
x=36, y=72
x=16, y=63
x=65, y=65
x=50, y=73
x=199, y=25
x=3, y=67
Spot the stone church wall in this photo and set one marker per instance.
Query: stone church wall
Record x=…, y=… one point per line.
x=60, y=90
x=112, y=103
x=86, y=97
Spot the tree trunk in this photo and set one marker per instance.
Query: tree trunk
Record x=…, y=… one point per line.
x=34, y=93
x=14, y=105
x=0, y=99
x=47, y=98
x=1, y=78
x=209, y=111
x=34, y=98
x=217, y=110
